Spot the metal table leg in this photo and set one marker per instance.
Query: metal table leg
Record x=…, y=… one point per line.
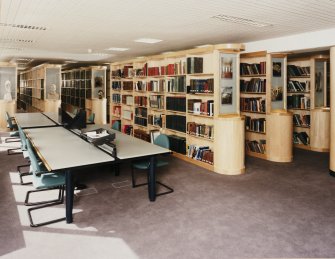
x=69, y=196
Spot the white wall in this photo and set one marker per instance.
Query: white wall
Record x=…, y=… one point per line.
x=304, y=41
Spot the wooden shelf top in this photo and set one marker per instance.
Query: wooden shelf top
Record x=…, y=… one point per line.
x=201, y=74
x=306, y=76
x=200, y=137
x=254, y=112
x=254, y=75
x=179, y=112
x=298, y=92
x=206, y=94
x=256, y=132
x=299, y=126
x=255, y=154
x=253, y=92
x=200, y=115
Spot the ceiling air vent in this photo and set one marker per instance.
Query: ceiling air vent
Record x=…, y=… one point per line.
x=23, y=26
x=17, y=40
x=239, y=20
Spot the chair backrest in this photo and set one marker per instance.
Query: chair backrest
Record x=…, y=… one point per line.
x=23, y=138
x=116, y=125
x=9, y=121
x=36, y=166
x=162, y=140
x=91, y=117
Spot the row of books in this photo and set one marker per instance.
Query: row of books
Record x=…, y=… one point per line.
x=300, y=138
x=71, y=75
x=302, y=120
x=176, y=84
x=141, y=100
x=116, y=110
x=116, y=85
x=127, y=99
x=156, y=119
x=127, y=86
x=256, y=146
x=202, y=153
x=140, y=86
x=127, y=129
x=253, y=104
x=297, y=86
x=176, y=122
x=293, y=70
x=201, y=86
x=177, y=68
x=200, y=130
x=176, y=103
x=298, y=101
x=194, y=65
x=141, y=134
x=247, y=69
x=140, y=121
x=86, y=83
x=142, y=112
x=198, y=107
x=177, y=144
x=116, y=98
x=255, y=85
x=156, y=85
x=156, y=101
x=258, y=125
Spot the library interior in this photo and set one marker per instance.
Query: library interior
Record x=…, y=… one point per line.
x=167, y=129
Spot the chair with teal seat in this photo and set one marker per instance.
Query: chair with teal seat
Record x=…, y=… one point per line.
x=163, y=141
x=24, y=149
x=91, y=118
x=116, y=125
x=14, y=135
x=44, y=180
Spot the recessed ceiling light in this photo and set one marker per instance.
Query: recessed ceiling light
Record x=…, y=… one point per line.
x=100, y=54
x=204, y=46
x=70, y=61
x=117, y=49
x=239, y=20
x=148, y=40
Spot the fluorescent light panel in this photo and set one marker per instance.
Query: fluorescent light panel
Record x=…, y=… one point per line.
x=23, y=26
x=239, y=20
x=117, y=49
x=148, y=40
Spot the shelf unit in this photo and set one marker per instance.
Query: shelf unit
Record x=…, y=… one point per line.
x=307, y=99
x=162, y=98
x=85, y=88
x=263, y=80
x=8, y=92
x=40, y=88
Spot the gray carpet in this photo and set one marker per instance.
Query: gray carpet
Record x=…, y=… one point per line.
x=273, y=211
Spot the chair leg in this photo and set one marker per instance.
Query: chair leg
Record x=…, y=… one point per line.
x=170, y=190
x=117, y=170
x=21, y=178
x=10, y=151
x=60, y=201
x=22, y=166
x=12, y=140
x=133, y=180
x=60, y=196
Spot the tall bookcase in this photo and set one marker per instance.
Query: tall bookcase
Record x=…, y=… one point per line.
x=8, y=92
x=172, y=93
x=308, y=82
x=85, y=88
x=268, y=125
x=40, y=88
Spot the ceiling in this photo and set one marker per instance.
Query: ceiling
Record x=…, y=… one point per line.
x=83, y=30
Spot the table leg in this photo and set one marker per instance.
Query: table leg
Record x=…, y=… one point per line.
x=69, y=196
x=152, y=179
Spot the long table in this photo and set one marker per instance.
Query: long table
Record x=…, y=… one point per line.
x=33, y=120
x=61, y=149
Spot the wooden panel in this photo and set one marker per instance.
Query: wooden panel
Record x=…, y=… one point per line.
x=332, y=109
x=229, y=145
x=320, y=130
x=99, y=108
x=279, y=126
x=52, y=105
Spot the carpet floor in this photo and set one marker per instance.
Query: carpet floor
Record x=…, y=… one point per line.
x=275, y=210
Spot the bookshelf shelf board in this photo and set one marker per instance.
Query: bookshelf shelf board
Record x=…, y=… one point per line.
x=140, y=126
x=307, y=76
x=138, y=116
x=254, y=75
x=116, y=90
x=116, y=116
x=300, y=126
x=156, y=93
x=206, y=94
x=200, y=137
x=126, y=79
x=200, y=115
x=140, y=92
x=257, y=132
x=193, y=161
x=156, y=109
x=255, y=154
x=175, y=75
x=140, y=77
x=140, y=106
x=177, y=112
x=116, y=104
x=128, y=91
x=302, y=146
x=155, y=126
x=253, y=92
x=158, y=76
x=175, y=131
x=201, y=74
x=299, y=109
x=298, y=92
x=129, y=105
x=254, y=112
x=126, y=119
x=181, y=93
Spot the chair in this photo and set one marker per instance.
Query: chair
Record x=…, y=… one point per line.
x=116, y=125
x=24, y=149
x=44, y=181
x=163, y=141
x=91, y=118
x=14, y=135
